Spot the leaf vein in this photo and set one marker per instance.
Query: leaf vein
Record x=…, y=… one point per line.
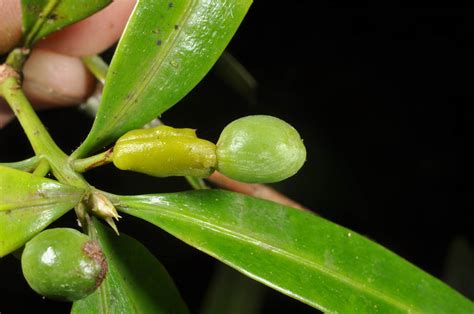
x=156, y=65
x=284, y=253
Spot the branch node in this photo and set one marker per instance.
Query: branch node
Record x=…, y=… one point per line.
x=7, y=71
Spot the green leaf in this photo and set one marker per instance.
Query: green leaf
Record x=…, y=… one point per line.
x=43, y=17
x=297, y=253
x=25, y=165
x=230, y=292
x=237, y=77
x=136, y=281
x=166, y=49
x=28, y=204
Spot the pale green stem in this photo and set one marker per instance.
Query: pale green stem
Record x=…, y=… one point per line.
x=85, y=164
x=41, y=141
x=42, y=169
x=25, y=165
x=39, y=137
x=196, y=183
x=17, y=58
x=97, y=66
x=236, y=76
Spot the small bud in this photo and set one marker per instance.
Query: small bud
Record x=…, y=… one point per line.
x=102, y=207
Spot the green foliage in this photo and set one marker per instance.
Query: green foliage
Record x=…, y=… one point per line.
x=297, y=253
x=28, y=204
x=166, y=49
x=136, y=281
x=43, y=17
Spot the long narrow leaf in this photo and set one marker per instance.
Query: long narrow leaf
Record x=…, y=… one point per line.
x=299, y=254
x=42, y=17
x=136, y=281
x=166, y=49
x=25, y=165
x=28, y=204
x=237, y=77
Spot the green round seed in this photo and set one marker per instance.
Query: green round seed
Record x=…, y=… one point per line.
x=260, y=149
x=63, y=264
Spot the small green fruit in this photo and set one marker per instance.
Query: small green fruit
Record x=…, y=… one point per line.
x=63, y=264
x=259, y=149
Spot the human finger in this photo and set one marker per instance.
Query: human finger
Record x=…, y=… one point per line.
x=51, y=78
x=10, y=24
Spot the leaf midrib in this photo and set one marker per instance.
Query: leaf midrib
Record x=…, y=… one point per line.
x=121, y=283
x=36, y=27
x=42, y=202
x=284, y=253
x=154, y=68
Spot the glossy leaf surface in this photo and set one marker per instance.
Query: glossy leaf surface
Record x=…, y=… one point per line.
x=28, y=204
x=136, y=281
x=297, y=253
x=167, y=48
x=43, y=17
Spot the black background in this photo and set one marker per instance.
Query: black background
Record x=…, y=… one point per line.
x=383, y=99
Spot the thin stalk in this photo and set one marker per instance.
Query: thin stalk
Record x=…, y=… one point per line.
x=17, y=58
x=97, y=66
x=41, y=141
x=85, y=164
x=196, y=183
x=256, y=190
x=237, y=77
x=39, y=137
x=42, y=169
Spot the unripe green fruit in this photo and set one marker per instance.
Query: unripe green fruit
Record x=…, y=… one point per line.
x=164, y=151
x=259, y=149
x=63, y=264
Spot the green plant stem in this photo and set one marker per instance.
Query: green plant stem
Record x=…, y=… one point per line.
x=196, y=183
x=39, y=137
x=85, y=164
x=42, y=169
x=17, y=58
x=25, y=165
x=41, y=141
x=97, y=66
